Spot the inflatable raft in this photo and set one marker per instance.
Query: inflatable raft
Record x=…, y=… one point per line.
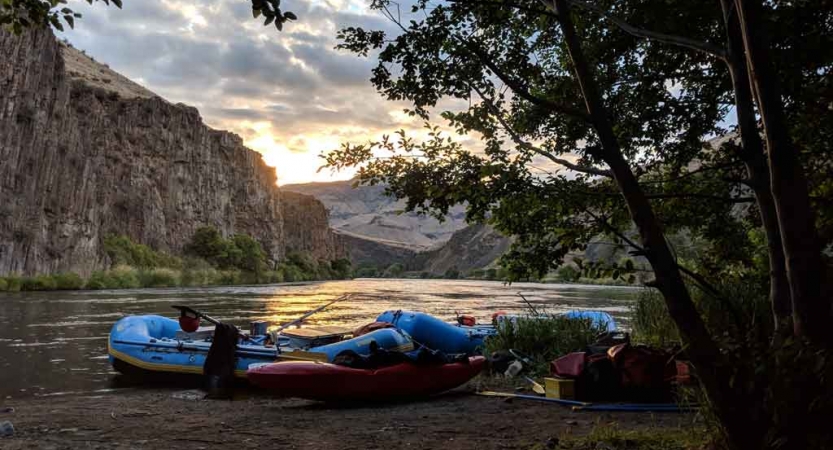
x=147, y=345
x=330, y=382
x=436, y=334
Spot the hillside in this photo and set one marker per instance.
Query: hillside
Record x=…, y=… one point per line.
x=86, y=153
x=365, y=212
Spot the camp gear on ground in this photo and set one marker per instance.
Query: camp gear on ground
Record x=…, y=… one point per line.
x=560, y=388
x=569, y=366
x=645, y=373
x=324, y=381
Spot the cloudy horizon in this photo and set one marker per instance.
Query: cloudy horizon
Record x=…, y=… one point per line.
x=290, y=95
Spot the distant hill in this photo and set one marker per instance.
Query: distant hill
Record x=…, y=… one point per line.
x=366, y=213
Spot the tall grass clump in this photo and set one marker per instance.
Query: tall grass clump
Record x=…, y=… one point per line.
x=68, y=281
x=650, y=322
x=543, y=337
x=159, y=277
x=39, y=283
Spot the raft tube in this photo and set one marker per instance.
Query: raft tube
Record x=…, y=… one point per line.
x=389, y=339
x=140, y=344
x=435, y=334
x=147, y=345
x=329, y=382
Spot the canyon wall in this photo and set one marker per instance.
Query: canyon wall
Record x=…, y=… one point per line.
x=85, y=153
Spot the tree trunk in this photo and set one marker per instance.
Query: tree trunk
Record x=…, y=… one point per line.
x=701, y=348
x=805, y=269
x=754, y=159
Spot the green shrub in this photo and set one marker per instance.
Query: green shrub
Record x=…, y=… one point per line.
x=543, y=338
x=123, y=251
x=367, y=271
x=159, y=277
x=4, y=285
x=38, y=283
x=15, y=283
x=272, y=276
x=452, y=273
x=395, y=270
x=228, y=277
x=100, y=280
x=568, y=272
x=291, y=273
x=68, y=281
x=199, y=276
x=342, y=268
x=124, y=277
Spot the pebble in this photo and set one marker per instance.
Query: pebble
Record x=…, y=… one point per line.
x=7, y=409
x=191, y=395
x=6, y=429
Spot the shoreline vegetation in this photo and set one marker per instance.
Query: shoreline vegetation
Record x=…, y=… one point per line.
x=208, y=260
x=566, y=274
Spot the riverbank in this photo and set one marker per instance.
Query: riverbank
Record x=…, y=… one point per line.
x=166, y=418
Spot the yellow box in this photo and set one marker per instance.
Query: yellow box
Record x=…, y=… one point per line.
x=560, y=388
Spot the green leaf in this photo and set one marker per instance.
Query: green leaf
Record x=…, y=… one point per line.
x=255, y=13
x=290, y=16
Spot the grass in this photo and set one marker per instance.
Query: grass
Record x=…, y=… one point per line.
x=612, y=436
x=543, y=338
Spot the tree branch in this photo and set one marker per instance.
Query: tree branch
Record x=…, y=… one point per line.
x=695, y=172
x=518, y=140
x=499, y=4
x=680, y=41
x=522, y=91
x=703, y=196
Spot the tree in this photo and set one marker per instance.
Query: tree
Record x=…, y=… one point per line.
x=548, y=79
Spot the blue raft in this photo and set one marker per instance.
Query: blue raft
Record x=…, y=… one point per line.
x=436, y=334
x=143, y=345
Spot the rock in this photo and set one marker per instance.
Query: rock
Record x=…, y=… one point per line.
x=82, y=160
x=7, y=409
x=192, y=395
x=551, y=443
x=6, y=429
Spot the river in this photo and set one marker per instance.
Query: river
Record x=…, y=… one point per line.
x=55, y=343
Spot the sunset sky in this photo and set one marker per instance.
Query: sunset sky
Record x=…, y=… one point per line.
x=290, y=95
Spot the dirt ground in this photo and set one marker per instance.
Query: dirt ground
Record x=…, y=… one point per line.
x=156, y=418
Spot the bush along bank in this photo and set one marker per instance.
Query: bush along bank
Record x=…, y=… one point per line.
x=209, y=260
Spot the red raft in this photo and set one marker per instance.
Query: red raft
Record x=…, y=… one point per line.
x=324, y=381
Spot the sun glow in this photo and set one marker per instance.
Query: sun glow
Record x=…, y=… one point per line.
x=299, y=162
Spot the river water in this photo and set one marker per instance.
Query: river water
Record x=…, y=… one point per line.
x=55, y=343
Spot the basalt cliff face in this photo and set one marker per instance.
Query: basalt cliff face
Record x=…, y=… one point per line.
x=85, y=153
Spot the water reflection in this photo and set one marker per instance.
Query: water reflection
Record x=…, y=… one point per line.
x=55, y=342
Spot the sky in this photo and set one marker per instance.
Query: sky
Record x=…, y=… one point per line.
x=290, y=95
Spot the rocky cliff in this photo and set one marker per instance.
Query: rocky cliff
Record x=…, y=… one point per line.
x=474, y=247
x=85, y=152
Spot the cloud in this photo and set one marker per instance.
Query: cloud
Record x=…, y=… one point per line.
x=290, y=95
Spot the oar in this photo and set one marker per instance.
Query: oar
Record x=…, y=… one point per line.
x=560, y=401
x=536, y=387
x=307, y=315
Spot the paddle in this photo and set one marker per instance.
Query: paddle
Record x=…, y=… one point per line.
x=307, y=315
